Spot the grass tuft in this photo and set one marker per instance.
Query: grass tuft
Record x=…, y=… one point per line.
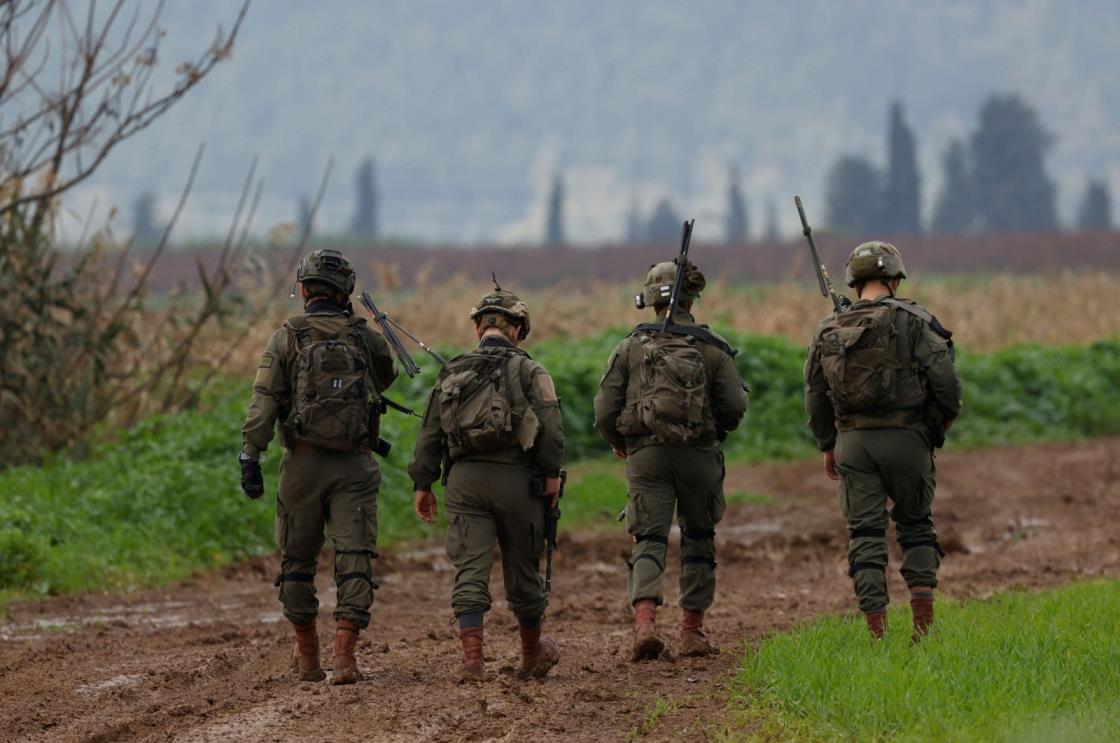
x=1022, y=666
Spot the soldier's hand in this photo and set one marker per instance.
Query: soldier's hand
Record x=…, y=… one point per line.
x=552, y=490
x=619, y=453
x=252, y=479
x=830, y=465
x=425, y=506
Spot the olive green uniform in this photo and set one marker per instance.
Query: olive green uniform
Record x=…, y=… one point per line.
x=663, y=479
x=888, y=455
x=496, y=495
x=319, y=486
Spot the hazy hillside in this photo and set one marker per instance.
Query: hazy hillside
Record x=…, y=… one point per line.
x=469, y=107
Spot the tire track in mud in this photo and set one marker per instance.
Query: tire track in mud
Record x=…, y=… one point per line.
x=208, y=659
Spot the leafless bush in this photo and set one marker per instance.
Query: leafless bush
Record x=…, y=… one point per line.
x=81, y=343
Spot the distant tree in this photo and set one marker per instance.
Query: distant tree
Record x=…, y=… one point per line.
x=664, y=224
x=853, y=196
x=366, y=198
x=635, y=225
x=554, y=226
x=1095, y=212
x=772, y=234
x=303, y=213
x=902, y=211
x=144, y=230
x=737, y=226
x=955, y=210
x=1013, y=190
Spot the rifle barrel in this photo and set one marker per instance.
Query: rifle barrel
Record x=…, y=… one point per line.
x=682, y=264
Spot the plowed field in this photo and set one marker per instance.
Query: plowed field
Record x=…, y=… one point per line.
x=207, y=660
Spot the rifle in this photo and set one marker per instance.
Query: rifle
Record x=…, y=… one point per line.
x=387, y=324
x=682, y=264
x=839, y=301
x=551, y=520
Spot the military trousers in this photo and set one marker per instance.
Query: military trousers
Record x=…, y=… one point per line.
x=490, y=503
x=664, y=479
x=877, y=466
x=322, y=488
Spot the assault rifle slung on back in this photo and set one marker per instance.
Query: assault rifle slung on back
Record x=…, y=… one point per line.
x=839, y=301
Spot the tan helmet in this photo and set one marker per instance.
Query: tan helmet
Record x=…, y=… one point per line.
x=500, y=308
x=874, y=260
x=328, y=266
x=659, y=284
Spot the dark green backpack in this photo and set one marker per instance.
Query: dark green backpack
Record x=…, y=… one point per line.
x=331, y=402
x=480, y=408
x=861, y=362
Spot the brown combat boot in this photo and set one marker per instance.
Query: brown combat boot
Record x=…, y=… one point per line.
x=693, y=640
x=647, y=645
x=345, y=664
x=471, y=640
x=877, y=623
x=305, y=653
x=921, y=605
x=538, y=654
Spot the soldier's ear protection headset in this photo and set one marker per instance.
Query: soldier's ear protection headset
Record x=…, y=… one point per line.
x=662, y=292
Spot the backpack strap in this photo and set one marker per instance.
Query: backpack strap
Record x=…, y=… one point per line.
x=695, y=331
x=920, y=312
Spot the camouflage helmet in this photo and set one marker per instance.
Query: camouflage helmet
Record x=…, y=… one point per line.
x=874, y=260
x=659, y=284
x=500, y=308
x=328, y=266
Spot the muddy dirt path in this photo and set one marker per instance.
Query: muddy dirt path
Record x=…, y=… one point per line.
x=207, y=660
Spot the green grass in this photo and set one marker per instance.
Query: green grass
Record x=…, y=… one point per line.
x=1042, y=666
x=162, y=501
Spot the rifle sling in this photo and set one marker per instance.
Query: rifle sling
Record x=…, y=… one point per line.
x=700, y=334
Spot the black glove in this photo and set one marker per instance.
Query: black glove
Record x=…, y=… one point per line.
x=252, y=479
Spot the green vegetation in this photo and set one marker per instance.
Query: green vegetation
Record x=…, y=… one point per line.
x=1019, y=667
x=162, y=500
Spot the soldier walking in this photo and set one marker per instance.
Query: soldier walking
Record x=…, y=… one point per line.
x=320, y=377
x=881, y=390
x=493, y=426
x=666, y=402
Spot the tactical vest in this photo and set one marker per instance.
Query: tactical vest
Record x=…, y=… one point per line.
x=873, y=379
x=667, y=400
x=332, y=403
x=482, y=403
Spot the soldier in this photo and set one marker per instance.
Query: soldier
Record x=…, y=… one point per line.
x=321, y=376
x=493, y=424
x=881, y=390
x=666, y=402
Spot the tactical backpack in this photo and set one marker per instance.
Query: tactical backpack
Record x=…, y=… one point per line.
x=672, y=402
x=864, y=367
x=331, y=403
x=480, y=408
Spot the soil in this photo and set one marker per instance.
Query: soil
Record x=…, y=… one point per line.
x=209, y=659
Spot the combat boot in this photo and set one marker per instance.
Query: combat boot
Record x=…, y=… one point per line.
x=876, y=622
x=305, y=652
x=471, y=640
x=538, y=654
x=647, y=645
x=693, y=640
x=345, y=664
x=921, y=606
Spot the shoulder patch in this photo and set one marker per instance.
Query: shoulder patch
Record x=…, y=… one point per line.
x=544, y=387
x=266, y=362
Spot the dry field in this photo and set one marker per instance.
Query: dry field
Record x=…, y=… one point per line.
x=985, y=313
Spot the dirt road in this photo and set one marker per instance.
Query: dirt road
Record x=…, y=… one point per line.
x=207, y=660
